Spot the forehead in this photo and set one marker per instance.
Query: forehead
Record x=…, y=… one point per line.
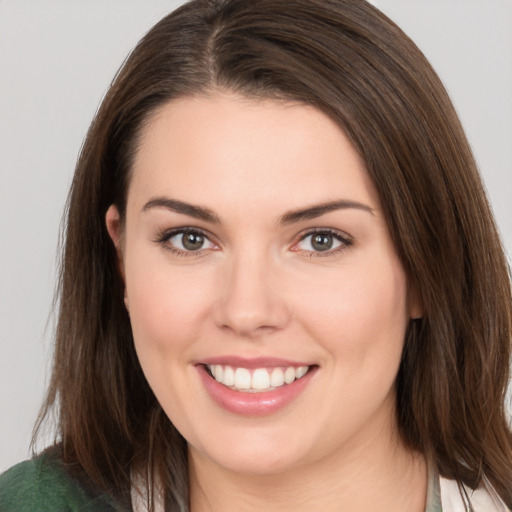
x=225, y=147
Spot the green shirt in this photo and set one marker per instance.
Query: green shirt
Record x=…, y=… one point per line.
x=43, y=484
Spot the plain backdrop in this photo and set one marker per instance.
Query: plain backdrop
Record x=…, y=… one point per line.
x=57, y=58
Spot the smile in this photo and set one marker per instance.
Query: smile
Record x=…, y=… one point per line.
x=257, y=379
x=254, y=387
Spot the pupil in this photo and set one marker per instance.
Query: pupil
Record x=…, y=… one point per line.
x=193, y=241
x=322, y=242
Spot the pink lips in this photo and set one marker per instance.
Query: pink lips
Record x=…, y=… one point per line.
x=253, y=404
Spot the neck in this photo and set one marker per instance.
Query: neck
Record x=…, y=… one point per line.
x=379, y=474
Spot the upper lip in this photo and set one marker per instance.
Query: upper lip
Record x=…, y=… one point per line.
x=255, y=362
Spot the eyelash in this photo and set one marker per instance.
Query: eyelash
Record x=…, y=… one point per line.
x=345, y=241
x=164, y=237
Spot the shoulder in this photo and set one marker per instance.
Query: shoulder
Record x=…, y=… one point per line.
x=45, y=484
x=483, y=499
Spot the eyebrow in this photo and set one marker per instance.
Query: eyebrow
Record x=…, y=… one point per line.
x=321, y=209
x=290, y=217
x=174, y=205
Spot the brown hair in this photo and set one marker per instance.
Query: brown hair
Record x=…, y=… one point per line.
x=347, y=59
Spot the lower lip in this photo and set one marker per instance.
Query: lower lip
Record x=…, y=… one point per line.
x=253, y=404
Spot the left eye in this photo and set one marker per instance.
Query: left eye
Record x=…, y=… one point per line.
x=320, y=241
x=190, y=241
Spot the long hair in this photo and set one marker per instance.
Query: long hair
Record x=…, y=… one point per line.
x=347, y=59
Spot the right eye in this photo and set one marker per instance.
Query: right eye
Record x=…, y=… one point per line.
x=186, y=241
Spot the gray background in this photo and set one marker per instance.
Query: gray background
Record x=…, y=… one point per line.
x=57, y=58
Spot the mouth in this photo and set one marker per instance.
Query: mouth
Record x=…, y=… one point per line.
x=255, y=380
x=257, y=387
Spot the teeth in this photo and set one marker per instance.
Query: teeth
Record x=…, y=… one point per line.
x=301, y=371
x=218, y=373
x=260, y=379
x=229, y=376
x=289, y=375
x=276, y=378
x=242, y=378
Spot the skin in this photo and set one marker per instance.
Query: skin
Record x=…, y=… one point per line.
x=258, y=288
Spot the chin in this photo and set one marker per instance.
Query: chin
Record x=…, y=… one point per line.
x=260, y=465
x=258, y=456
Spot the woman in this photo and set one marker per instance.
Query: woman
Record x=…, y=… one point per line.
x=282, y=286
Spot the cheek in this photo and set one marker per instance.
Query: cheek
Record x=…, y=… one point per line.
x=360, y=315
x=165, y=304
x=166, y=310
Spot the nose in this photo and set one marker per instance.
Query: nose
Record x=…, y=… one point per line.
x=251, y=300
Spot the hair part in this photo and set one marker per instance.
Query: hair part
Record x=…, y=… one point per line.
x=347, y=59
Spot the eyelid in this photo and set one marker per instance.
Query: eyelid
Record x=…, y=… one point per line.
x=165, y=235
x=345, y=239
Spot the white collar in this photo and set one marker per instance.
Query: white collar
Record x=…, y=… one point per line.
x=482, y=499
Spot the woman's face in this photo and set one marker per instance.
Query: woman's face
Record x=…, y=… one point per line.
x=267, y=302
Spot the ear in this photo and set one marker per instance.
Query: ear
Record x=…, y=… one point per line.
x=113, y=223
x=415, y=304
